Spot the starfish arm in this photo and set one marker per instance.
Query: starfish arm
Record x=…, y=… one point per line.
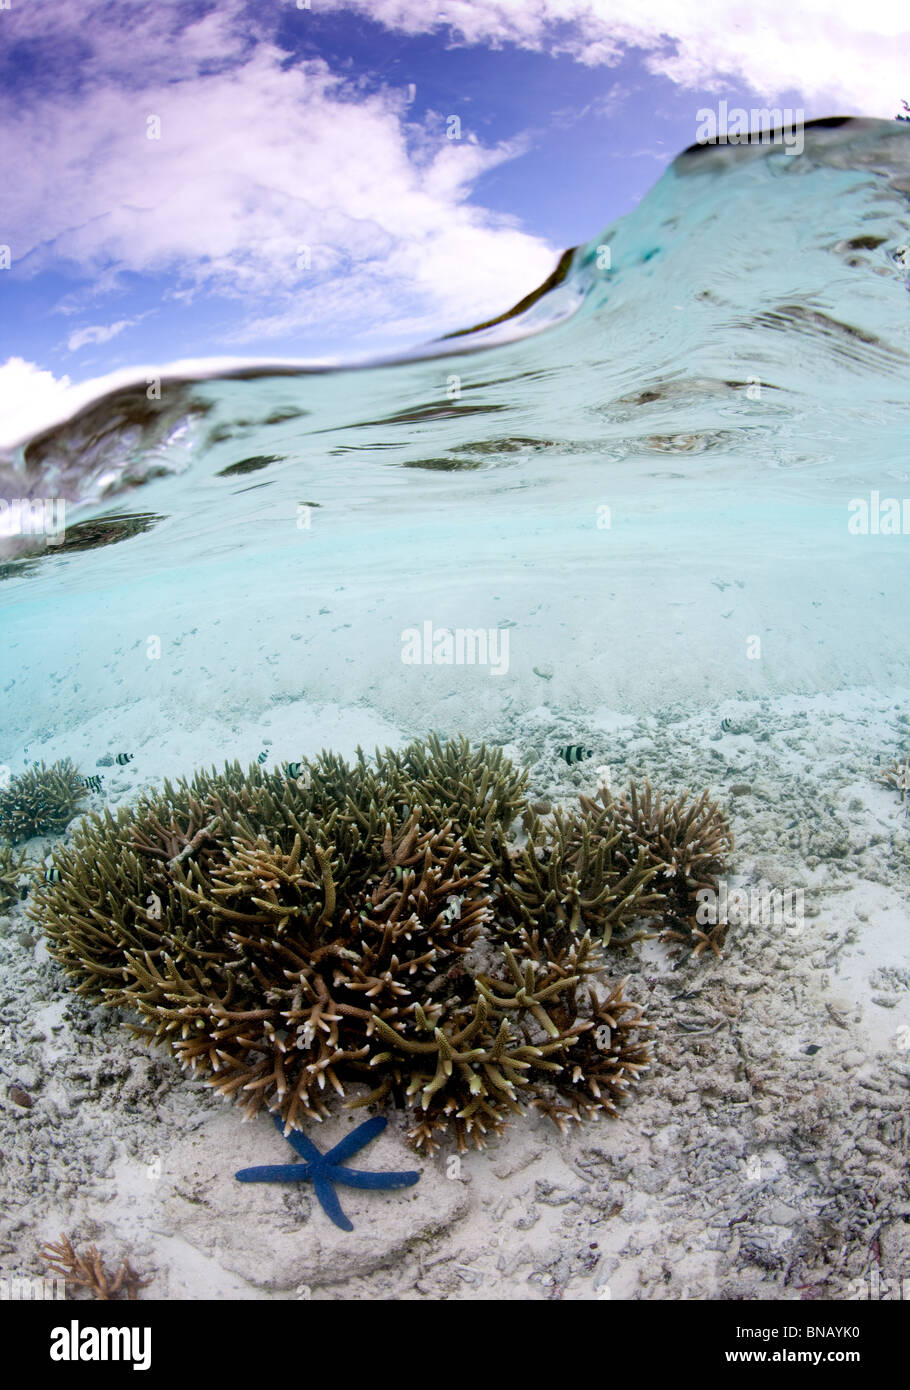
x=275, y=1172
x=357, y=1139
x=329, y=1202
x=354, y=1177
x=299, y=1142
x=325, y=1170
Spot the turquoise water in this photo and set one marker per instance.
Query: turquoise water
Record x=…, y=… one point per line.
x=645, y=481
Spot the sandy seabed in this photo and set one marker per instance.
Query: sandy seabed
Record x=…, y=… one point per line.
x=764, y=1155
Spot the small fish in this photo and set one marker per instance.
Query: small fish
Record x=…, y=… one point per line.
x=574, y=753
x=52, y=875
x=262, y=757
x=727, y=726
x=92, y=784
x=122, y=758
x=294, y=769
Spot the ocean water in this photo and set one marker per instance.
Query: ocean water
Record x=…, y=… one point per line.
x=649, y=488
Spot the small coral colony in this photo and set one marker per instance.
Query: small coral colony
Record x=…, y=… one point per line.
x=404, y=930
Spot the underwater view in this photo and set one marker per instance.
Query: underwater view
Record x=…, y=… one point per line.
x=455, y=833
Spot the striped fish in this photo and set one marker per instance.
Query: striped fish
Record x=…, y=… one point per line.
x=92, y=784
x=262, y=757
x=574, y=753
x=122, y=758
x=52, y=875
x=301, y=774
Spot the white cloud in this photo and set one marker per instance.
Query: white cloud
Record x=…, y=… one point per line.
x=99, y=333
x=854, y=57
x=259, y=166
x=28, y=397
x=259, y=157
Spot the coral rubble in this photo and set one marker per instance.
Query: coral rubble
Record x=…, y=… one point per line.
x=41, y=800
x=374, y=931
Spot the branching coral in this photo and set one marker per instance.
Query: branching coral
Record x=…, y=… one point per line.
x=41, y=800
x=687, y=842
x=371, y=932
x=897, y=776
x=11, y=867
x=86, y=1271
x=609, y=1058
x=579, y=873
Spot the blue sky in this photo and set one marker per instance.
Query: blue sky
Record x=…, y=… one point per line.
x=254, y=178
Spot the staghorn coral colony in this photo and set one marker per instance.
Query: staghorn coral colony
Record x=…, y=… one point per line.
x=41, y=800
x=897, y=775
x=380, y=932
x=11, y=867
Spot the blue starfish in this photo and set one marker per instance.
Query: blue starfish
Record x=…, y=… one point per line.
x=324, y=1170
